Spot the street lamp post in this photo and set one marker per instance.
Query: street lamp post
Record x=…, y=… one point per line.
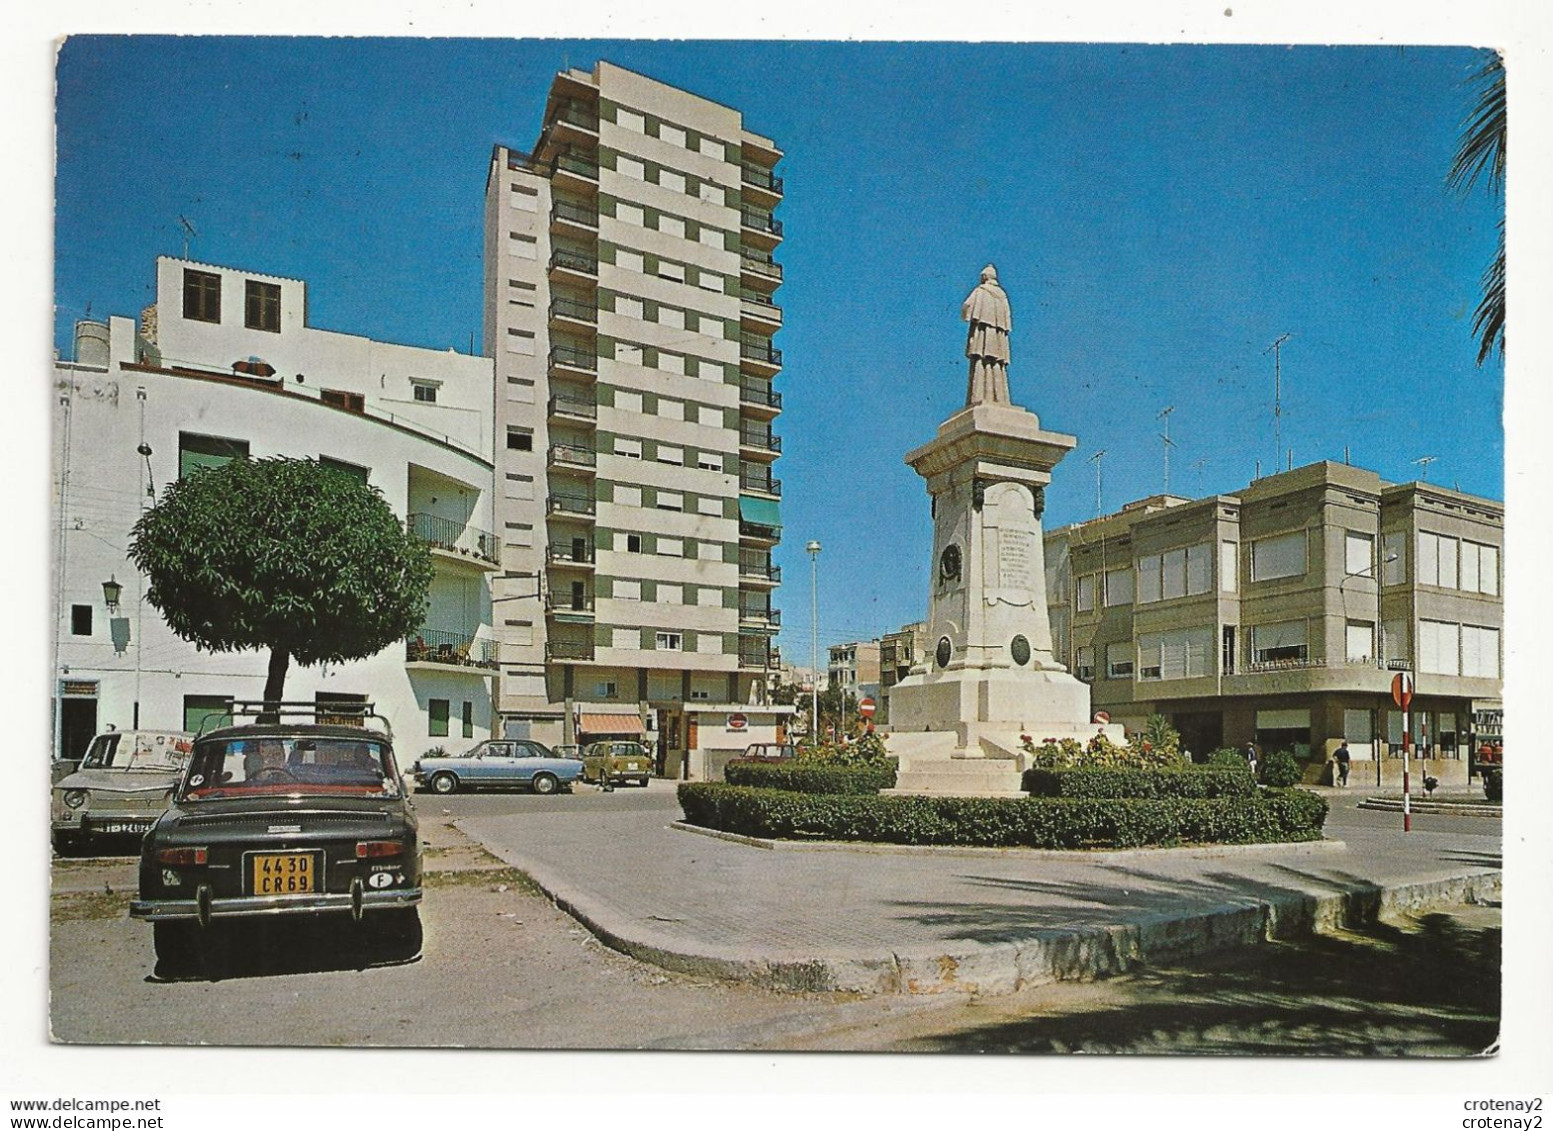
x=814, y=642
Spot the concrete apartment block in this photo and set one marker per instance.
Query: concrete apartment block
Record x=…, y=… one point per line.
x=630, y=313
x=224, y=365
x=1281, y=614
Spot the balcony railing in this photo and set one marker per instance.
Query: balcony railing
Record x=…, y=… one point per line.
x=568, y=603
x=759, y=265
x=576, y=165
x=577, y=311
x=754, y=654
x=571, y=406
x=577, y=114
x=757, y=348
x=569, y=650
x=759, y=530
x=571, y=504
x=758, y=394
x=573, y=456
x=454, y=536
x=569, y=552
x=771, y=616
x=760, y=178
x=574, y=358
x=759, y=567
x=567, y=260
x=766, y=441
x=765, y=483
x=572, y=213
x=761, y=221
x=456, y=649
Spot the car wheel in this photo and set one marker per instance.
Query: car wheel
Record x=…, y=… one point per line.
x=395, y=936
x=444, y=783
x=177, y=947
x=66, y=844
x=545, y=783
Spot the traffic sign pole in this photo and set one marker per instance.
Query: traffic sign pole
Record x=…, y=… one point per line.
x=1402, y=695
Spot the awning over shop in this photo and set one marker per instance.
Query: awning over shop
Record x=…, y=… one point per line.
x=591, y=722
x=762, y=512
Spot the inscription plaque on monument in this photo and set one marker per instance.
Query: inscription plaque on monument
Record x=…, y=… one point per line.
x=1015, y=557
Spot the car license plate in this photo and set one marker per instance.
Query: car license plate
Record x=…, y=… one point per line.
x=122, y=827
x=290, y=873
x=631, y=765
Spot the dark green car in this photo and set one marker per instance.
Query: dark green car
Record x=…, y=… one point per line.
x=283, y=820
x=622, y=761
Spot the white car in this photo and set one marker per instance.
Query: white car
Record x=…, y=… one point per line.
x=124, y=784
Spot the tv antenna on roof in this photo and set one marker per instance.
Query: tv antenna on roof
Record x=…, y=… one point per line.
x=1276, y=349
x=1095, y=459
x=1423, y=463
x=1164, y=414
x=188, y=231
x=1198, y=464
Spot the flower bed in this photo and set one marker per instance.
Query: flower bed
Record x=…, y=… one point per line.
x=1033, y=822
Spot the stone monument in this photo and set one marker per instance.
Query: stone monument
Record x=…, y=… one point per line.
x=988, y=675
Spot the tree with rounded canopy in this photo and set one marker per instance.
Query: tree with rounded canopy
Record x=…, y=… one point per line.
x=284, y=554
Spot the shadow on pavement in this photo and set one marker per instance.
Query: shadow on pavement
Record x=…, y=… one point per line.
x=1423, y=987
x=259, y=947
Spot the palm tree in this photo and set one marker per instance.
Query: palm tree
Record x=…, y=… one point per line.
x=1481, y=151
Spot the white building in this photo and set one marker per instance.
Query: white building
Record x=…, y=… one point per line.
x=630, y=312
x=223, y=365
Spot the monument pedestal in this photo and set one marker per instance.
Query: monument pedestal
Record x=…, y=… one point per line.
x=989, y=677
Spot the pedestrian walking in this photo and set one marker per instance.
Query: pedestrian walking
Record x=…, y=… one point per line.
x=1342, y=757
x=1251, y=757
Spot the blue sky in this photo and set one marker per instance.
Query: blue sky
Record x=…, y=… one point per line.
x=1158, y=216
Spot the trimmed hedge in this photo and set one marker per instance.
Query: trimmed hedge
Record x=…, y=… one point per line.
x=1196, y=781
x=1280, y=768
x=812, y=777
x=1003, y=822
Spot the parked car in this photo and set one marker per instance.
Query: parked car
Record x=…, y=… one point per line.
x=284, y=818
x=124, y=784
x=568, y=750
x=769, y=752
x=498, y=762
x=622, y=761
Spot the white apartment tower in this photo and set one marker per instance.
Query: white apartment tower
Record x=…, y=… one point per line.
x=629, y=280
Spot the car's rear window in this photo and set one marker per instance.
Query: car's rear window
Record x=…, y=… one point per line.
x=291, y=765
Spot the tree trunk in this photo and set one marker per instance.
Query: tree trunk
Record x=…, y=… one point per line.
x=275, y=683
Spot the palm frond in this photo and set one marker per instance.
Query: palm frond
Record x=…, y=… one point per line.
x=1481, y=151
x=1488, y=322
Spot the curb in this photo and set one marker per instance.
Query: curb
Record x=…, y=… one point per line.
x=1102, y=855
x=1052, y=955
x=1446, y=808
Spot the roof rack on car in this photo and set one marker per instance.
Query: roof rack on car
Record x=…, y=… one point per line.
x=337, y=714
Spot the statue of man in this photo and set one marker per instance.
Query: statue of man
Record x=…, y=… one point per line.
x=986, y=309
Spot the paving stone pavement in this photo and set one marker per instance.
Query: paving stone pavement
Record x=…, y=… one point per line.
x=989, y=921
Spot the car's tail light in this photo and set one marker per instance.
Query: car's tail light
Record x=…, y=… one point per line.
x=182, y=855
x=366, y=849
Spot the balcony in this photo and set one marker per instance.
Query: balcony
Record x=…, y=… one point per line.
x=568, y=650
x=756, y=353
x=565, y=263
x=583, y=315
x=754, y=652
x=760, y=184
x=575, y=122
x=761, y=398
x=574, y=170
x=757, y=443
x=758, y=568
x=569, y=606
x=759, y=531
x=570, y=456
x=758, y=311
x=440, y=649
x=759, y=271
x=764, y=484
x=578, y=219
x=577, y=554
x=574, y=359
x=572, y=506
x=450, y=539
x=572, y=408
x=760, y=229
x=767, y=616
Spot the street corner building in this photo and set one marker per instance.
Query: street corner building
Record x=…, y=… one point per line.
x=1281, y=614
x=597, y=490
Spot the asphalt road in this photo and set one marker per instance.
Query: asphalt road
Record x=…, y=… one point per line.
x=503, y=968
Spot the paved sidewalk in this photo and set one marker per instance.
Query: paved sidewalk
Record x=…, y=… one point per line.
x=990, y=921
